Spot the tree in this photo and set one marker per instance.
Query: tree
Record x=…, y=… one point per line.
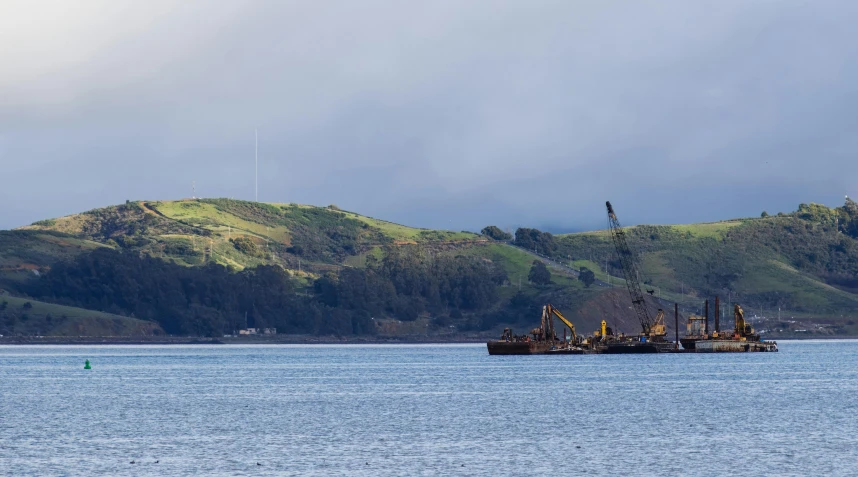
x=533, y=239
x=849, y=218
x=586, y=276
x=539, y=273
x=495, y=233
x=247, y=246
x=764, y=214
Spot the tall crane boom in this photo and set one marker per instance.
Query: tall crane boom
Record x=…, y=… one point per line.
x=630, y=270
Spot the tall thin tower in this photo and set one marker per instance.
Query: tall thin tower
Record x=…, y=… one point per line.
x=256, y=157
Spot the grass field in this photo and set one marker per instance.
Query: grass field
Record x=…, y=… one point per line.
x=404, y=233
x=389, y=229
x=709, y=229
x=29, y=317
x=209, y=216
x=813, y=295
x=713, y=229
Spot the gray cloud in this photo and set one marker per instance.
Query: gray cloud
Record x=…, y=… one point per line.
x=439, y=114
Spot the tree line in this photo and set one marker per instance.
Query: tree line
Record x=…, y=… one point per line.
x=212, y=300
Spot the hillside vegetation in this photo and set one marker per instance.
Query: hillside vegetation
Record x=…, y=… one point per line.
x=206, y=267
x=27, y=317
x=805, y=262
x=240, y=234
x=211, y=266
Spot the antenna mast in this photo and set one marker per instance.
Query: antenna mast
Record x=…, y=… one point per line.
x=256, y=157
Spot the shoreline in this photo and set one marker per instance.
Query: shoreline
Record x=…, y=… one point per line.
x=273, y=340
x=285, y=339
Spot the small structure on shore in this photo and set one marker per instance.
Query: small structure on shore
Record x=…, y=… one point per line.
x=258, y=331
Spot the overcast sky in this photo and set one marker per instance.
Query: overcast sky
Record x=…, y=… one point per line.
x=443, y=114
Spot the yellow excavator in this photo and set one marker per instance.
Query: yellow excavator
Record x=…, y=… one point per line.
x=744, y=331
x=658, y=328
x=549, y=310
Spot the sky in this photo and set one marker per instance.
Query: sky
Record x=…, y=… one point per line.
x=442, y=114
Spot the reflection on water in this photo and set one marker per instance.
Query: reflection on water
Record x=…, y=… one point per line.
x=425, y=410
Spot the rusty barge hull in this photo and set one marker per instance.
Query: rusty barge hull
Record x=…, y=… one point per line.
x=518, y=347
x=735, y=346
x=533, y=347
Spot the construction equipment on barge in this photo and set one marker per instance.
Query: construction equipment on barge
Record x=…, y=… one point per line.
x=541, y=340
x=743, y=338
x=653, y=331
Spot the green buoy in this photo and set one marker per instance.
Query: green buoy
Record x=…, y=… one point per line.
x=86, y=365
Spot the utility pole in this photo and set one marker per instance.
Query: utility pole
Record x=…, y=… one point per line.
x=676, y=323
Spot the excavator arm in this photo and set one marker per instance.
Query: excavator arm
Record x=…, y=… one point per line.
x=566, y=322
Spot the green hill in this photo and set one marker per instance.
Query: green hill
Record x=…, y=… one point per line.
x=233, y=233
x=310, y=242
x=788, y=261
x=803, y=264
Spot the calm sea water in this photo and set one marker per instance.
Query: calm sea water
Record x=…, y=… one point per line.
x=425, y=410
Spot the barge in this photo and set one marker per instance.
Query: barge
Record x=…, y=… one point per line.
x=541, y=340
x=502, y=347
x=735, y=346
x=742, y=339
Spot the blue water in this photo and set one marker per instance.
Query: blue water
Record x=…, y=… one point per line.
x=425, y=410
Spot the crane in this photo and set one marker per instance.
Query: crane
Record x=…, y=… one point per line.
x=628, y=261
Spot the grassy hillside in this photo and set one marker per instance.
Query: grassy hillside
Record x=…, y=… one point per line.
x=237, y=233
x=308, y=241
x=803, y=263
x=20, y=316
x=800, y=262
